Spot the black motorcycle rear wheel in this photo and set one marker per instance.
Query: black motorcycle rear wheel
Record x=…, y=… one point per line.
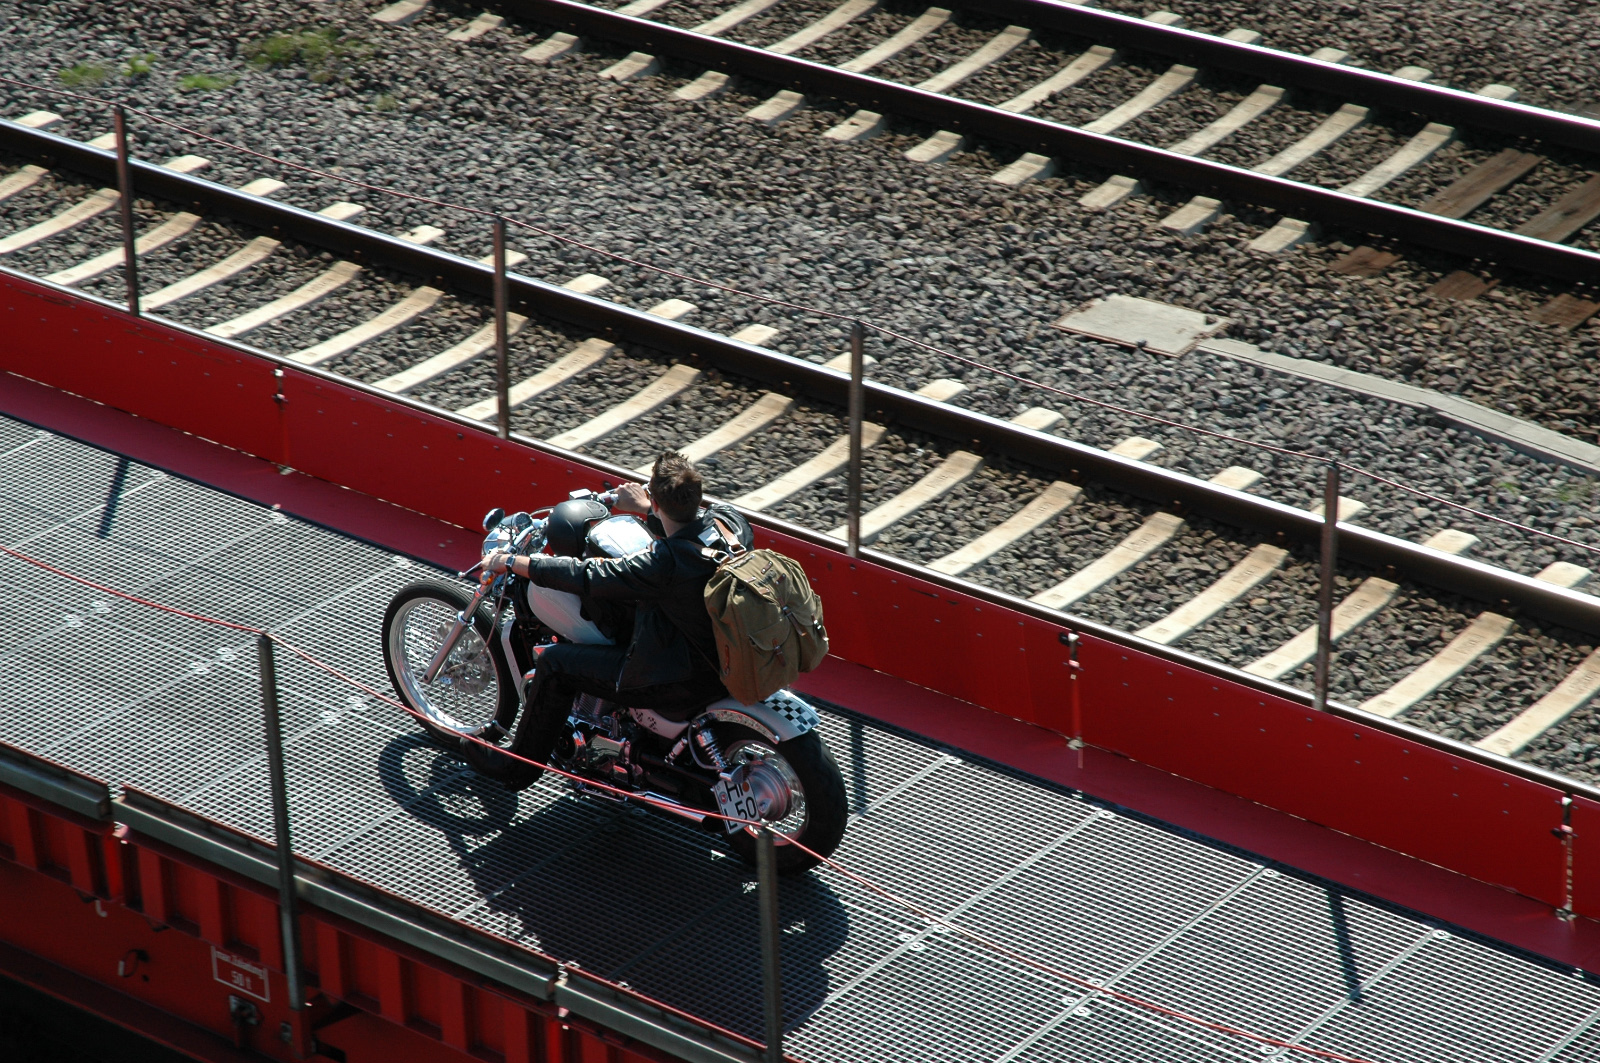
x=476, y=693
x=810, y=770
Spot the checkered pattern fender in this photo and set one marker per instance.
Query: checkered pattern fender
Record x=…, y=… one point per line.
x=782, y=714
x=797, y=716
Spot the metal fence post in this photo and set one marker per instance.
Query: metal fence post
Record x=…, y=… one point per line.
x=130, y=250
x=1330, y=554
x=853, y=478
x=1075, y=693
x=771, y=972
x=298, y=1032
x=502, y=358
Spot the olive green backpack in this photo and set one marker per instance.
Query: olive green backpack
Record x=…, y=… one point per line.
x=766, y=618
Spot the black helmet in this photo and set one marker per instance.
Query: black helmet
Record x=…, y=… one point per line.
x=569, y=525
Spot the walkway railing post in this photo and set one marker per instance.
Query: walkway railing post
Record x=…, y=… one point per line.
x=130, y=250
x=853, y=478
x=1330, y=554
x=502, y=357
x=1075, y=692
x=298, y=1033
x=771, y=971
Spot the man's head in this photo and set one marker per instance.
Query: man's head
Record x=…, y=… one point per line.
x=675, y=487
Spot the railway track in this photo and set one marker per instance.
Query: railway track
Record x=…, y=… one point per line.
x=1213, y=564
x=491, y=128
x=1407, y=162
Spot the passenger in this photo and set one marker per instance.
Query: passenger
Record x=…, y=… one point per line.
x=668, y=666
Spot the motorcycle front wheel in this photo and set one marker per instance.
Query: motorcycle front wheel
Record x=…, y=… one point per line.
x=476, y=692
x=798, y=785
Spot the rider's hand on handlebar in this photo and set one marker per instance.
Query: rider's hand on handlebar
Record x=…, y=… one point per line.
x=632, y=498
x=498, y=561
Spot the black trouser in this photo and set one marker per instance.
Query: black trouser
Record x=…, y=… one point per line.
x=566, y=670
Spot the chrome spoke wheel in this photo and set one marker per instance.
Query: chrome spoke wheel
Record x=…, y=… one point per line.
x=466, y=694
x=798, y=791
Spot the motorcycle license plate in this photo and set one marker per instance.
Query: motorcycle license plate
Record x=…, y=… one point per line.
x=735, y=798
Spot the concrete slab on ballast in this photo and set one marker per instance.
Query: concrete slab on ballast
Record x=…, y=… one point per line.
x=1159, y=327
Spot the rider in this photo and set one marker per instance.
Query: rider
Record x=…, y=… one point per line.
x=668, y=666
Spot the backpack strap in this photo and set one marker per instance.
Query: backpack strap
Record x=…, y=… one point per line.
x=730, y=540
x=729, y=536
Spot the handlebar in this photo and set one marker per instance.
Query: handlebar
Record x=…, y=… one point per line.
x=606, y=498
x=518, y=541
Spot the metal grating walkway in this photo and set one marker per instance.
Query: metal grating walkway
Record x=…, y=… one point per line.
x=169, y=705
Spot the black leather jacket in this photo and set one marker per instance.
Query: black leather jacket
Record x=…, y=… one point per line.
x=672, y=639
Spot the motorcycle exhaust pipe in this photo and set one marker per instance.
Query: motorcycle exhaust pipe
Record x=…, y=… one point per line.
x=667, y=804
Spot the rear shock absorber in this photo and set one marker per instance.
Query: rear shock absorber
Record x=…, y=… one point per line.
x=708, y=745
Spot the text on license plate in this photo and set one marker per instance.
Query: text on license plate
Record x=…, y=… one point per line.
x=734, y=798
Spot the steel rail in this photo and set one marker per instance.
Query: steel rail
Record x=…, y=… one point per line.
x=913, y=571
x=1161, y=651
x=26, y=775
x=1409, y=560
x=1277, y=67
x=1293, y=198
x=42, y=777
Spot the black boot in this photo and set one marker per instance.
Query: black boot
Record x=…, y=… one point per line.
x=496, y=764
x=544, y=715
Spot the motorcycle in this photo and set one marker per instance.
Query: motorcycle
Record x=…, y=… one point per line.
x=459, y=659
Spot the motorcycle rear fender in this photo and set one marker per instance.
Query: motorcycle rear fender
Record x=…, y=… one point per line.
x=779, y=718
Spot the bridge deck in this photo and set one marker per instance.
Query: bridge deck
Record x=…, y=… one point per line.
x=170, y=705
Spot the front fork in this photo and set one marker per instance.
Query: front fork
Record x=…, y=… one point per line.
x=453, y=636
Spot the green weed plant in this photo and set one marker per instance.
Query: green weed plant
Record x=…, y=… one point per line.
x=83, y=75
x=139, y=65
x=206, y=82
x=324, y=53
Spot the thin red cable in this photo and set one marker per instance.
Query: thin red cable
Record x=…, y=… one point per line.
x=321, y=665
x=819, y=312
x=1056, y=972
x=64, y=574
x=832, y=864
